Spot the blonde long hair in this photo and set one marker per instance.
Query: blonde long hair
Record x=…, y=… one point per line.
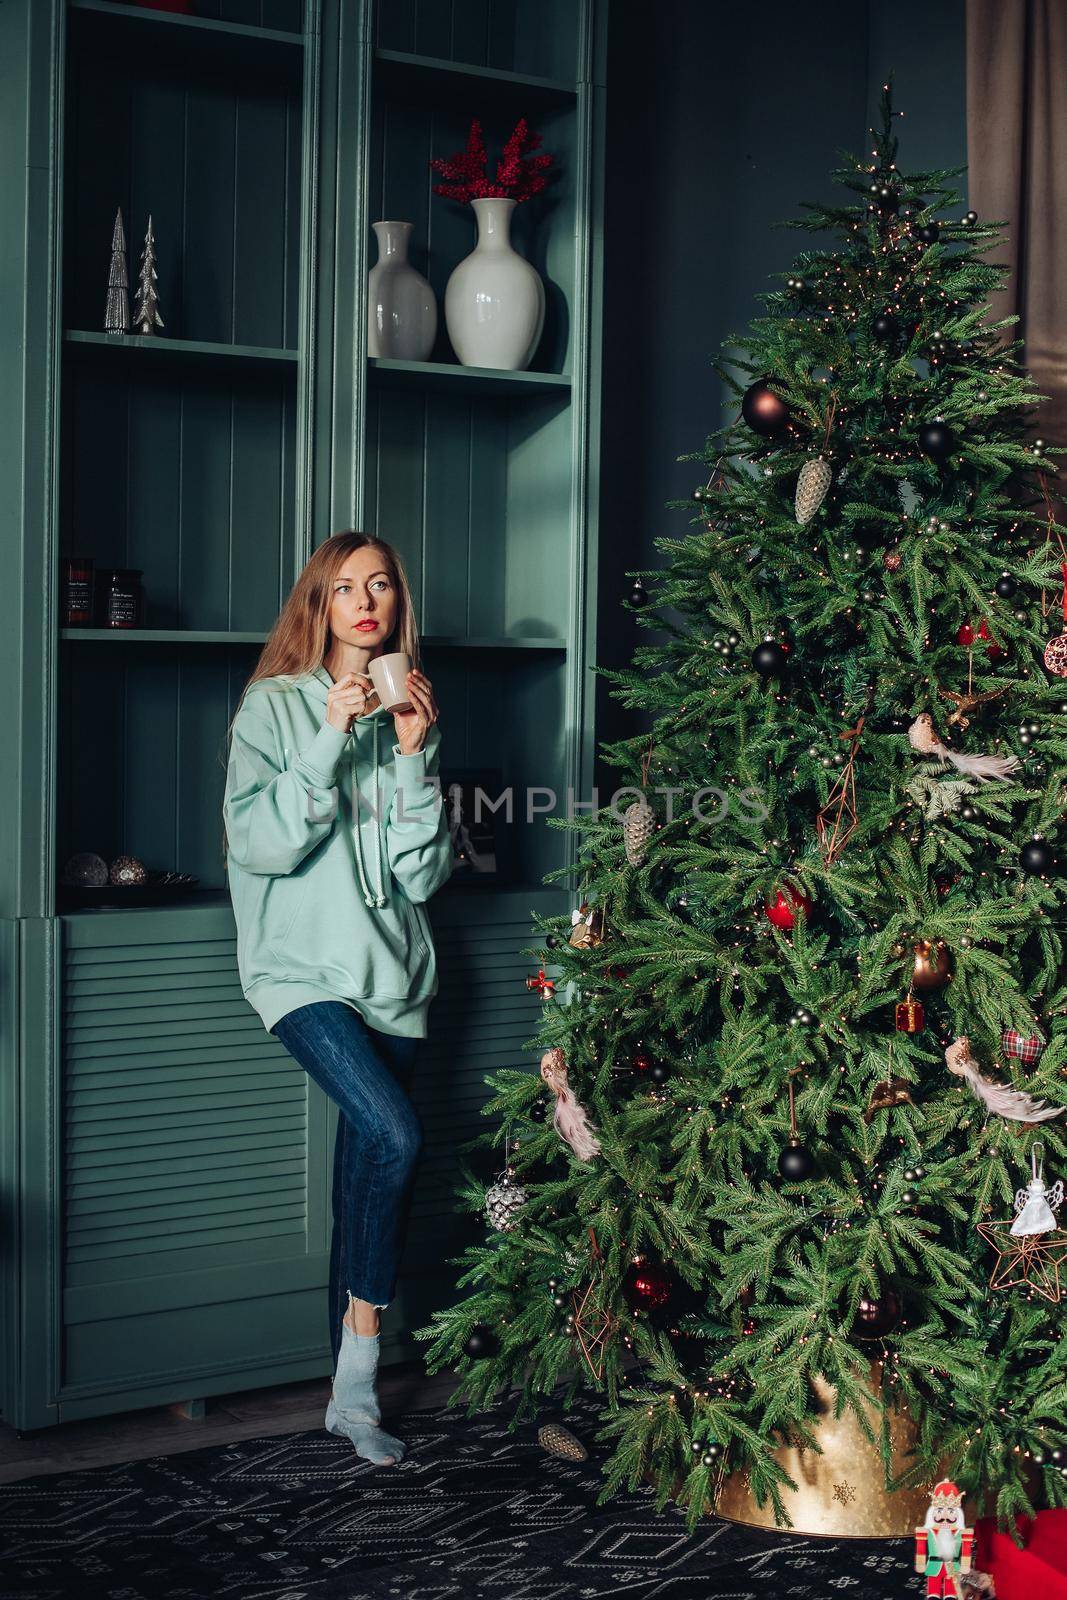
x=300, y=639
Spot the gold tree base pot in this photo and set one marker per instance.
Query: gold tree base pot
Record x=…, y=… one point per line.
x=841, y=1493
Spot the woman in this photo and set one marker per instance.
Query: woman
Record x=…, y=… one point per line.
x=333, y=847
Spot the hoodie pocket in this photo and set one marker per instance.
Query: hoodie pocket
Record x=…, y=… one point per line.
x=287, y=898
x=419, y=927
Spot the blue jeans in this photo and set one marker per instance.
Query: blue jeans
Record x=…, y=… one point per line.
x=367, y=1074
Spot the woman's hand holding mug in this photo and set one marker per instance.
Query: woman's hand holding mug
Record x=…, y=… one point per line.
x=348, y=699
x=413, y=725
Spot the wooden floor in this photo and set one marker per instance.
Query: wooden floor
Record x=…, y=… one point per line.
x=163, y=1430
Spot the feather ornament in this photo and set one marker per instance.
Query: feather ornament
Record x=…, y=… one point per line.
x=922, y=736
x=1000, y=1100
x=569, y=1119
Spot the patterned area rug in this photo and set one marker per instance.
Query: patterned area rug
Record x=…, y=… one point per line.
x=473, y=1510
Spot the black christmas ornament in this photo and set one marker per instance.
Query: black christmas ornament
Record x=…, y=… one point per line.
x=878, y=1314
x=769, y=659
x=638, y=594
x=885, y=327
x=481, y=1342
x=869, y=536
x=1036, y=857
x=936, y=440
x=795, y=1163
x=764, y=411
x=538, y=1111
x=928, y=232
x=660, y=1072
x=886, y=199
x=1006, y=586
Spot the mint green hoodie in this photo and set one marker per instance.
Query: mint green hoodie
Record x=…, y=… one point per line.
x=327, y=909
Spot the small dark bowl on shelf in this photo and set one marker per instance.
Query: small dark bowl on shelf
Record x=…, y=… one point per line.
x=159, y=888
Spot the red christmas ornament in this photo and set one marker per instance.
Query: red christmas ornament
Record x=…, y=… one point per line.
x=995, y=651
x=781, y=912
x=965, y=635
x=910, y=1016
x=983, y=630
x=641, y=1061
x=748, y=1327
x=646, y=1286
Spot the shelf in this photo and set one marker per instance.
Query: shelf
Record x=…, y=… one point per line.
x=197, y=636
x=82, y=344
x=525, y=892
x=437, y=641
x=386, y=373
x=168, y=36
x=159, y=636
x=432, y=80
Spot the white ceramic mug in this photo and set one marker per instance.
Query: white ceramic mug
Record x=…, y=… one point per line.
x=389, y=677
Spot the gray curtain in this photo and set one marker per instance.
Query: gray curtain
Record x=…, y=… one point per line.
x=1017, y=155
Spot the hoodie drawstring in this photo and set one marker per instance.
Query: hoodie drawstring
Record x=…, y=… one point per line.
x=369, y=897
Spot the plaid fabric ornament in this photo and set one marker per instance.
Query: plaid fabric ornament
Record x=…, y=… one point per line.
x=1028, y=1051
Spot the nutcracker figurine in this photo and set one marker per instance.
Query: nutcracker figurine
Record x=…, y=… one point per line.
x=943, y=1545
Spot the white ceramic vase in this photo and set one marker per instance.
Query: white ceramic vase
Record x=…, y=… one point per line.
x=494, y=300
x=401, y=308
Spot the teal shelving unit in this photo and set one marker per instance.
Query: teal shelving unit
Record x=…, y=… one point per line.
x=166, y=1165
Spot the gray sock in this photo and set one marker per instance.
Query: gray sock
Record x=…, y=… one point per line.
x=353, y=1409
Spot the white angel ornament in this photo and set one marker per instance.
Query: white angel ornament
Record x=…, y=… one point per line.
x=1035, y=1205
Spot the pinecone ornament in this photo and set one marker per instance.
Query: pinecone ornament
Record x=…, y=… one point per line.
x=814, y=480
x=502, y=1201
x=638, y=826
x=125, y=870
x=560, y=1441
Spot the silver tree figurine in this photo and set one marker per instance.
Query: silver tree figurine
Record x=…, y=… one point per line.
x=117, y=315
x=146, y=315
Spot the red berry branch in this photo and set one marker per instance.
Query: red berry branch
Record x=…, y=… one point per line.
x=519, y=173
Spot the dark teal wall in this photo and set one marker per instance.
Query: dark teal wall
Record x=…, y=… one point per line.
x=721, y=120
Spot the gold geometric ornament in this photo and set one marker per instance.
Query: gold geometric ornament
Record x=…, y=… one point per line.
x=1033, y=1259
x=593, y=1325
x=839, y=818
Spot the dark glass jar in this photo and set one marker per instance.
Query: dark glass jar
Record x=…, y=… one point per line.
x=77, y=592
x=123, y=597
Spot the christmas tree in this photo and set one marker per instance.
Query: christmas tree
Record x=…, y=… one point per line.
x=117, y=310
x=811, y=1037
x=146, y=317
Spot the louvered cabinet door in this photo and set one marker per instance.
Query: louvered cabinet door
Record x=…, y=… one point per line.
x=195, y=1166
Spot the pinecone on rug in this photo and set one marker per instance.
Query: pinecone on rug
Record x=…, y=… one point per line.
x=560, y=1441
